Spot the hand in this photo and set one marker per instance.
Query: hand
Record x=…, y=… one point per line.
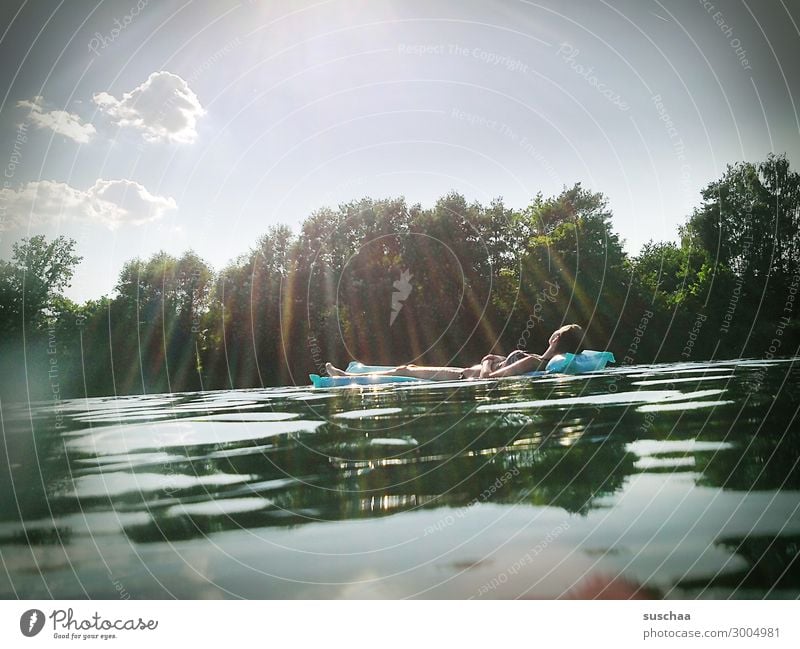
x=471, y=372
x=493, y=357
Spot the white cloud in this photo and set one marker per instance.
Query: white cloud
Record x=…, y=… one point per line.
x=164, y=108
x=108, y=202
x=59, y=121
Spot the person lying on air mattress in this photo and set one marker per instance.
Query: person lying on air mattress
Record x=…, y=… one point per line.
x=567, y=339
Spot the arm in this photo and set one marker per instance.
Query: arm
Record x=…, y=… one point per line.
x=480, y=371
x=528, y=364
x=486, y=367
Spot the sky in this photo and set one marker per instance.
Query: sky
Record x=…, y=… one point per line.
x=135, y=126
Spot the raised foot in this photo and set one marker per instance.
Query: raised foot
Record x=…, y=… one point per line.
x=333, y=371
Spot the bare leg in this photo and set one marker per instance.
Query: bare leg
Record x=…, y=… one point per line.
x=430, y=373
x=472, y=372
x=334, y=371
x=413, y=371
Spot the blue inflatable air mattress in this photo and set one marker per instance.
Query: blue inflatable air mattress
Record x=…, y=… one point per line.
x=586, y=361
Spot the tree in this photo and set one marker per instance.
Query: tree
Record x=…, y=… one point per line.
x=476, y=279
x=750, y=219
x=573, y=268
x=31, y=300
x=34, y=279
x=155, y=322
x=748, y=231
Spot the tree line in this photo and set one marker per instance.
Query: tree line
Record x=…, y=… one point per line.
x=386, y=282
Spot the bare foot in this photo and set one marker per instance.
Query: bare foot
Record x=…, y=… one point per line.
x=334, y=371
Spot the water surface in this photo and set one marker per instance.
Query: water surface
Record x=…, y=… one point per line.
x=681, y=479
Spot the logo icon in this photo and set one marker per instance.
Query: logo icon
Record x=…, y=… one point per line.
x=31, y=622
x=402, y=289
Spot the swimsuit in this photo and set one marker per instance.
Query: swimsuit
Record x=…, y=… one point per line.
x=513, y=357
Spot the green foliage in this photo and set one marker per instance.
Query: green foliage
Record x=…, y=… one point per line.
x=748, y=231
x=386, y=282
x=32, y=281
x=749, y=221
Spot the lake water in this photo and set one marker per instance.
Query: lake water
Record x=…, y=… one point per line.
x=681, y=479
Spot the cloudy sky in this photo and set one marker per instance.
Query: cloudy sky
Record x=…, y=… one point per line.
x=134, y=126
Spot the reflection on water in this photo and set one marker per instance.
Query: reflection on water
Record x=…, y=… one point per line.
x=679, y=479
